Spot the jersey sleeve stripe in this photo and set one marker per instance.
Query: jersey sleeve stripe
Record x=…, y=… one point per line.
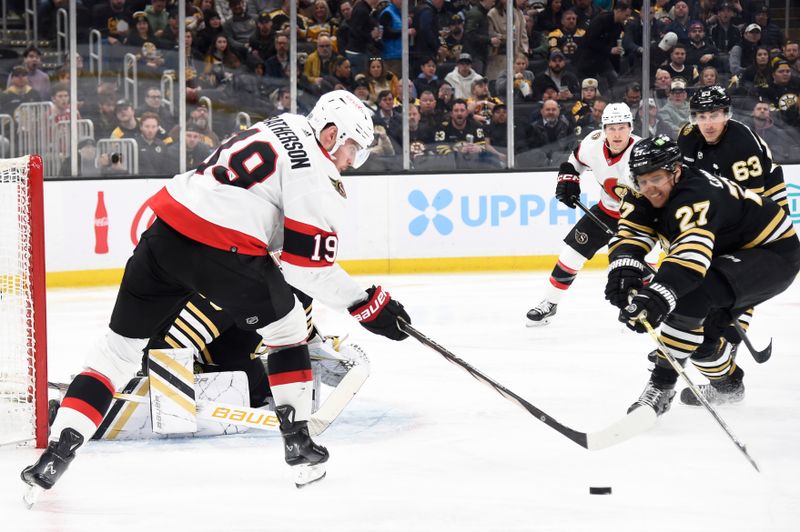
x=768, y=234
x=306, y=229
x=637, y=227
x=192, y=226
x=304, y=262
x=686, y=264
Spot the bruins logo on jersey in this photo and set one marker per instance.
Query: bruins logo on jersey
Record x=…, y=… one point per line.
x=664, y=242
x=620, y=190
x=687, y=129
x=596, y=135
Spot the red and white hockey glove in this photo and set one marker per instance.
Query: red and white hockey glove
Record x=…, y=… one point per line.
x=568, y=185
x=379, y=313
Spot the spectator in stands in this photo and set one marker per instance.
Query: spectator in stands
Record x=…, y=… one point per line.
x=480, y=102
x=550, y=18
x=497, y=28
x=37, y=78
x=600, y=45
x=701, y=51
x=391, y=19
x=453, y=38
x=523, y=81
x=755, y=78
x=277, y=65
x=361, y=90
x=114, y=19
x=771, y=33
x=381, y=79
x=321, y=22
x=206, y=37
x=152, y=150
x=478, y=41
x=427, y=38
x=583, y=107
x=364, y=35
x=633, y=97
x=782, y=141
x=262, y=42
x=196, y=150
x=568, y=36
x=102, y=115
x=280, y=20
x=586, y=13
x=60, y=99
x=724, y=34
x=169, y=36
x=127, y=125
x=655, y=125
x=461, y=135
x=87, y=165
x=427, y=78
x=388, y=116
x=444, y=97
x=538, y=48
x=662, y=87
x=342, y=73
x=783, y=92
x=430, y=116
x=675, y=112
x=220, y=62
x=418, y=137
x=157, y=16
x=709, y=77
x=592, y=120
x=497, y=134
x=199, y=117
x=678, y=68
x=680, y=21
x=791, y=52
x=462, y=76
x=552, y=132
x=743, y=54
x=239, y=28
x=154, y=104
x=559, y=78
x=318, y=64
x=19, y=91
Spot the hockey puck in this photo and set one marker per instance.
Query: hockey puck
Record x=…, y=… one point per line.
x=599, y=490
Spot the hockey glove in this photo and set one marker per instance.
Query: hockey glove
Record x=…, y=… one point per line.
x=379, y=313
x=568, y=185
x=624, y=274
x=653, y=303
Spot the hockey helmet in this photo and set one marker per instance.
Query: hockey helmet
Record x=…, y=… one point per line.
x=709, y=99
x=344, y=110
x=617, y=113
x=651, y=154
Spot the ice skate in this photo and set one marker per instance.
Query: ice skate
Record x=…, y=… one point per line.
x=541, y=314
x=51, y=465
x=306, y=458
x=727, y=391
x=657, y=397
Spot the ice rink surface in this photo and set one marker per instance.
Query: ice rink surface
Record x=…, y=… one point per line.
x=424, y=447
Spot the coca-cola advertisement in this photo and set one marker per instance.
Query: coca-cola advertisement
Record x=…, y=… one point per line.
x=100, y=225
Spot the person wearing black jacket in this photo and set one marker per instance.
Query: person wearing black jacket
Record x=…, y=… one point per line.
x=601, y=43
x=364, y=36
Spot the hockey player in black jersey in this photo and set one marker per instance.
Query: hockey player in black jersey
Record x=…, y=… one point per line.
x=728, y=249
x=728, y=148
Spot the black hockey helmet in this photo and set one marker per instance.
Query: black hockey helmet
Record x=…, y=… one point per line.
x=653, y=153
x=709, y=99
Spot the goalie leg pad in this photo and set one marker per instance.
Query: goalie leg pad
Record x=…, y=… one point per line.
x=172, y=396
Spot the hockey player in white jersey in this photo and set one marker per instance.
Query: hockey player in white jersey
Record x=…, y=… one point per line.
x=276, y=185
x=605, y=153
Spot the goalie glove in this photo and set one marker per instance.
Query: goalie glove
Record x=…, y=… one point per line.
x=625, y=274
x=379, y=313
x=568, y=185
x=653, y=303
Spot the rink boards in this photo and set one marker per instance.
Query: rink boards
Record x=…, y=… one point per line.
x=397, y=224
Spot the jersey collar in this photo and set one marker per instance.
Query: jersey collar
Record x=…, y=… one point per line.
x=614, y=159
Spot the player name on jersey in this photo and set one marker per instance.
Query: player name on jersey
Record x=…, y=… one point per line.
x=290, y=141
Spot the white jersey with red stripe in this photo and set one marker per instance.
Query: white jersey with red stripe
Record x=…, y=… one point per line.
x=609, y=170
x=270, y=187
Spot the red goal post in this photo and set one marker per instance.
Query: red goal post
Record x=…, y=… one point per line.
x=23, y=312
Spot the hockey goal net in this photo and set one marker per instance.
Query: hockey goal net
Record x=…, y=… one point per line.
x=23, y=343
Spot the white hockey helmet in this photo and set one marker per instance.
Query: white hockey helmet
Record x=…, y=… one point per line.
x=617, y=113
x=350, y=116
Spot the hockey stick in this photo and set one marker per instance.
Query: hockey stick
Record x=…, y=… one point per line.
x=636, y=422
x=679, y=369
x=759, y=356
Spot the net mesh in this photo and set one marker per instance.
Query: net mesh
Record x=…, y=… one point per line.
x=17, y=385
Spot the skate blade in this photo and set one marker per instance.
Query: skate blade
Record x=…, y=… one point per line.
x=308, y=474
x=541, y=323
x=31, y=495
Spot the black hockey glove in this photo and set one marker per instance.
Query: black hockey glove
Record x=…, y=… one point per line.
x=653, y=303
x=624, y=274
x=568, y=185
x=379, y=313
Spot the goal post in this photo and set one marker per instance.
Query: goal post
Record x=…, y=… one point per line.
x=23, y=314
